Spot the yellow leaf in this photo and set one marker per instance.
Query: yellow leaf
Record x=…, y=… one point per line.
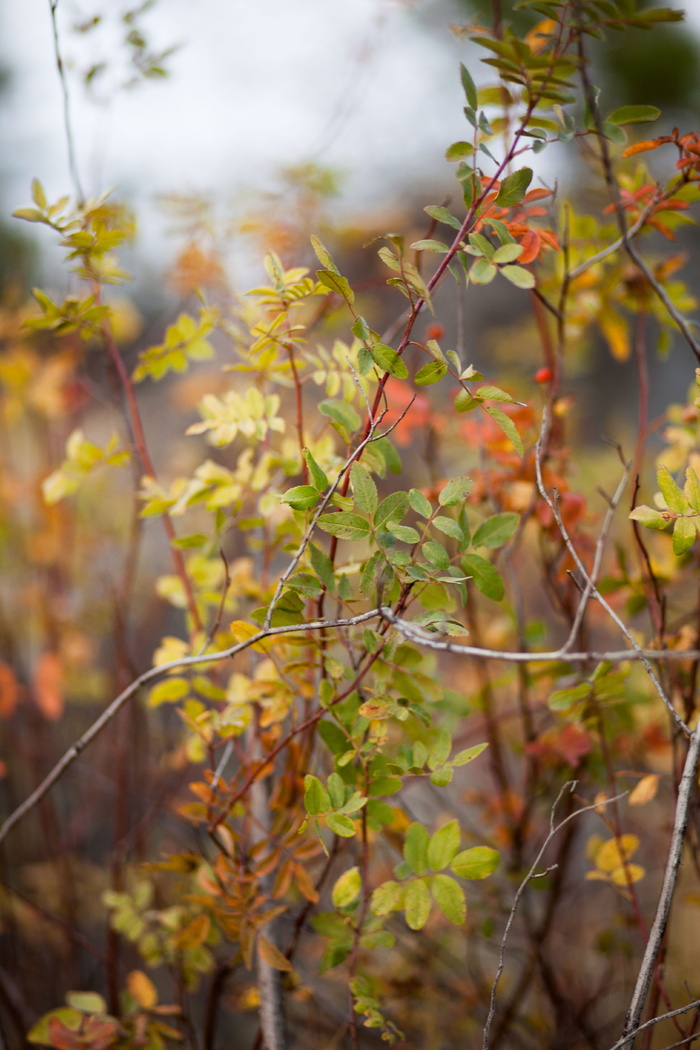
x=645, y=790
x=241, y=631
x=271, y=954
x=540, y=35
x=193, y=935
x=616, y=335
x=615, y=852
x=633, y=873
x=142, y=989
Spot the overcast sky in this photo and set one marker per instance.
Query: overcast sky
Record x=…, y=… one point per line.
x=370, y=87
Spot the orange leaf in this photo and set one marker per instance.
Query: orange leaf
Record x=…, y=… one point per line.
x=142, y=988
x=303, y=881
x=48, y=686
x=271, y=954
x=530, y=244
x=645, y=790
x=194, y=934
x=641, y=147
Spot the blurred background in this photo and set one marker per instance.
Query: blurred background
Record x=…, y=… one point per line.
x=230, y=128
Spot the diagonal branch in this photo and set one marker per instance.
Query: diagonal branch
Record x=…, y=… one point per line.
x=149, y=676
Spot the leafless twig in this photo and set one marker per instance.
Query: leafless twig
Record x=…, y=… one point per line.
x=146, y=678
x=668, y=887
x=532, y=874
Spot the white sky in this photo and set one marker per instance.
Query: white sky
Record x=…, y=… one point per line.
x=362, y=85
x=370, y=87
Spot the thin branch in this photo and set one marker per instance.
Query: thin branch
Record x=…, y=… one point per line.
x=70, y=142
x=656, y=1020
x=431, y=640
x=668, y=887
x=625, y=231
x=594, y=592
x=149, y=676
x=533, y=874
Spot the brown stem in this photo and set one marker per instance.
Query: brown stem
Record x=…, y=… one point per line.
x=147, y=463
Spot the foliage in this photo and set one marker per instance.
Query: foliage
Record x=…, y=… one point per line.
x=348, y=793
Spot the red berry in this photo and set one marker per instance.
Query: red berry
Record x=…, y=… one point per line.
x=434, y=331
x=543, y=375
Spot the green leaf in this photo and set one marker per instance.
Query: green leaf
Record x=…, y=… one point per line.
x=675, y=498
x=518, y=276
x=507, y=426
x=496, y=531
x=417, y=904
x=691, y=489
x=415, y=848
x=476, y=863
x=388, y=360
x=336, y=283
x=482, y=272
x=444, y=216
x=508, y=253
x=420, y=503
x=404, y=533
x=459, y=150
x=87, y=1002
x=449, y=897
x=341, y=412
x=634, y=115
x=430, y=245
x=393, y=508
x=363, y=488
x=318, y=476
x=683, y=535
x=455, y=491
x=443, y=846
x=430, y=373
x=345, y=526
x=441, y=777
x=316, y=798
x=341, y=825
x=485, y=576
x=323, y=255
x=449, y=527
x=386, y=898
x=469, y=86
x=301, y=497
x=464, y=402
x=613, y=133
x=482, y=246
x=563, y=699
x=346, y=888
x=468, y=755
x=436, y=554
x=650, y=517
x=514, y=187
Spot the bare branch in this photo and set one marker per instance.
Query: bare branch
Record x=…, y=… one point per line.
x=668, y=887
x=150, y=676
x=533, y=874
x=656, y=1020
x=594, y=592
